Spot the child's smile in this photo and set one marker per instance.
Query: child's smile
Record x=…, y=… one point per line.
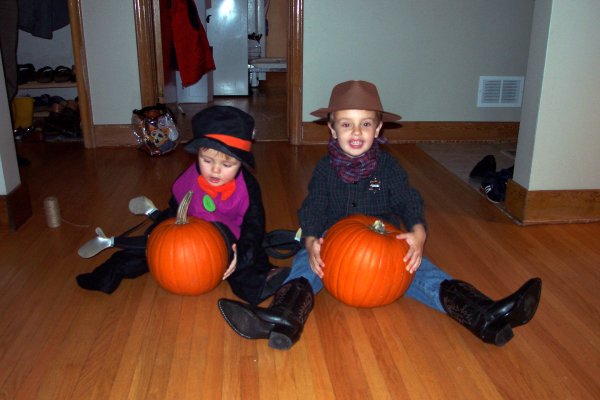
x=356, y=144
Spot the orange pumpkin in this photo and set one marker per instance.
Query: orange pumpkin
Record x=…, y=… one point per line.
x=364, y=264
x=186, y=255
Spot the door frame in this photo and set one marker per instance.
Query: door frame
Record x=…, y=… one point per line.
x=79, y=59
x=145, y=17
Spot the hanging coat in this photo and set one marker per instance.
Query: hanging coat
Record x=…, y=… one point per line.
x=42, y=17
x=192, y=51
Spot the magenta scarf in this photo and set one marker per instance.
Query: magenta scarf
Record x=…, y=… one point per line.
x=353, y=169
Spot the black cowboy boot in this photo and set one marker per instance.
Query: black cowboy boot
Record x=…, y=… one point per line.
x=282, y=322
x=491, y=321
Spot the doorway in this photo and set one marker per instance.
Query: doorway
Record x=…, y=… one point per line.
x=145, y=19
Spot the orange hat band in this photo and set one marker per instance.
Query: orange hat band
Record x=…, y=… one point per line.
x=238, y=143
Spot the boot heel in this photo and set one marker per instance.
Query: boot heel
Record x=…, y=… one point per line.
x=499, y=333
x=282, y=337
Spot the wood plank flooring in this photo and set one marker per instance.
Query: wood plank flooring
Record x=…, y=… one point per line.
x=58, y=341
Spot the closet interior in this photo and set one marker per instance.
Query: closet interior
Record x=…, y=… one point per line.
x=47, y=74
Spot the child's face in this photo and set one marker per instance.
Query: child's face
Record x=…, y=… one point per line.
x=355, y=130
x=216, y=167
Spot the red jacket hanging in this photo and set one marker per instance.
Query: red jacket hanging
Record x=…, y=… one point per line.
x=192, y=51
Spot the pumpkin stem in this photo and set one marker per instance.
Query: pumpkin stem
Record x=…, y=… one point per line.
x=378, y=226
x=183, y=209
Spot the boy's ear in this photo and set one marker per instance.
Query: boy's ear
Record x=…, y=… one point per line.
x=332, y=130
x=378, y=128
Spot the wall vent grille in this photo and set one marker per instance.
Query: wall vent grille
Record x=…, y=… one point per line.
x=500, y=91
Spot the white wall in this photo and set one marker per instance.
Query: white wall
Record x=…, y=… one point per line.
x=46, y=52
x=559, y=139
x=111, y=52
x=9, y=168
x=425, y=56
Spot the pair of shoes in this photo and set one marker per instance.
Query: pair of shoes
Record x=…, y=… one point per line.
x=25, y=73
x=63, y=119
x=59, y=74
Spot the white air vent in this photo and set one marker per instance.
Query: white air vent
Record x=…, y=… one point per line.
x=500, y=91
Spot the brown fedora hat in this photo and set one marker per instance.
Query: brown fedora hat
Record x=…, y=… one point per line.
x=355, y=95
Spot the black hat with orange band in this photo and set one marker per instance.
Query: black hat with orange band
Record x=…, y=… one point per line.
x=225, y=129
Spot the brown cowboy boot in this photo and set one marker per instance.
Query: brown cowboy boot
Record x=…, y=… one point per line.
x=282, y=322
x=491, y=321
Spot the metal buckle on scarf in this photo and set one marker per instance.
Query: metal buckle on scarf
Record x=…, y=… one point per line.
x=374, y=185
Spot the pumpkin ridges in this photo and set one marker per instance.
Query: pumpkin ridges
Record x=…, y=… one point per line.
x=369, y=280
x=210, y=242
x=353, y=241
x=366, y=281
x=375, y=290
x=337, y=268
x=391, y=288
x=210, y=276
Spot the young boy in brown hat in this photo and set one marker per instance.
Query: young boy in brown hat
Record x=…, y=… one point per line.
x=357, y=177
x=225, y=193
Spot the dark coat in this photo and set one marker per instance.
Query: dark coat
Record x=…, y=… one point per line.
x=252, y=261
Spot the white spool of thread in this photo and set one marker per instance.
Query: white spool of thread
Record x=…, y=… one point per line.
x=52, y=212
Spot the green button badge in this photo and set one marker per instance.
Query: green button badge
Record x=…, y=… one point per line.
x=208, y=203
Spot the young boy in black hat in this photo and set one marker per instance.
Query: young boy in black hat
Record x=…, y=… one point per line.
x=357, y=177
x=225, y=193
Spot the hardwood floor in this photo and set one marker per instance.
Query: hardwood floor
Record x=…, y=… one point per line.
x=58, y=341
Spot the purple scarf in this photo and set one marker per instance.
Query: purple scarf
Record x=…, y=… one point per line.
x=353, y=169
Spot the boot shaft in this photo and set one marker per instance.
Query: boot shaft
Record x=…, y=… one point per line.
x=293, y=301
x=471, y=308
x=463, y=302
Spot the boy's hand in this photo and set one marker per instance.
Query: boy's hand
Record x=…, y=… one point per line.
x=231, y=269
x=313, y=247
x=416, y=242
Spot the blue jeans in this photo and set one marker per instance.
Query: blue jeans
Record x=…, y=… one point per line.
x=424, y=288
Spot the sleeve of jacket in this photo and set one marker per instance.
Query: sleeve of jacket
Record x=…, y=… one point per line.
x=406, y=202
x=313, y=213
x=249, y=245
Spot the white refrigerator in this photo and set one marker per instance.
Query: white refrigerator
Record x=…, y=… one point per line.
x=227, y=30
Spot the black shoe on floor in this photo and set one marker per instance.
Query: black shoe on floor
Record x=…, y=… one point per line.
x=494, y=189
x=486, y=165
